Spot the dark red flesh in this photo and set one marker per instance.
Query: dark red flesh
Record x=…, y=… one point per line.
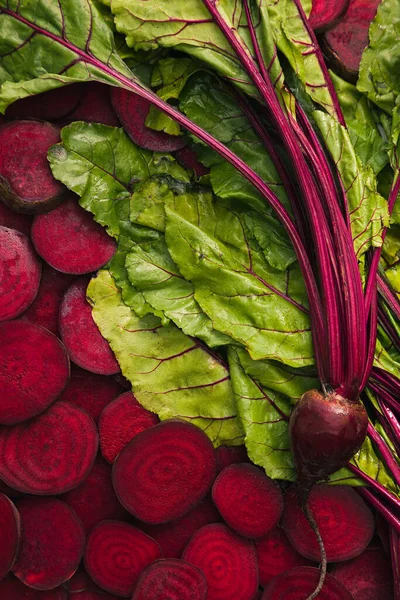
x=230, y=455
x=120, y=421
x=52, y=543
x=20, y=272
x=368, y=576
x=171, y=579
x=85, y=345
x=70, y=240
x=34, y=370
x=10, y=532
x=298, y=583
x=26, y=181
x=345, y=522
x=345, y=43
x=188, y=159
x=90, y=391
x=164, y=471
x=116, y=553
x=47, y=106
x=95, y=106
x=50, y=454
x=132, y=111
x=325, y=432
x=250, y=502
x=325, y=14
x=46, y=306
x=13, y=220
x=12, y=588
x=228, y=561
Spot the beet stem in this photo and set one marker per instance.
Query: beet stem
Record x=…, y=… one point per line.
x=377, y=487
x=313, y=524
x=391, y=462
x=391, y=518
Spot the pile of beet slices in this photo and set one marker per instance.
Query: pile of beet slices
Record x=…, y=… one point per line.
x=98, y=499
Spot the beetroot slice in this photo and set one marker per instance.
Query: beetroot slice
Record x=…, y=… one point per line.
x=345, y=43
x=230, y=455
x=171, y=579
x=26, y=181
x=50, y=454
x=275, y=555
x=116, y=553
x=120, y=421
x=70, y=240
x=132, y=111
x=228, y=562
x=90, y=391
x=34, y=370
x=46, y=306
x=94, y=500
x=12, y=588
x=174, y=536
x=20, y=272
x=95, y=106
x=325, y=14
x=344, y=520
x=13, y=220
x=164, y=471
x=368, y=576
x=86, y=346
x=249, y=501
x=81, y=587
x=47, y=106
x=52, y=543
x=301, y=581
x=188, y=159
x=10, y=528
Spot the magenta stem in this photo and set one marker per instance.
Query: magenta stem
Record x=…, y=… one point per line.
x=384, y=450
x=392, y=519
x=388, y=295
x=377, y=487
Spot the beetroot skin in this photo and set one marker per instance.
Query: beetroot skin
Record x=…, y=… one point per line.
x=47, y=106
x=13, y=220
x=33, y=372
x=120, y=421
x=132, y=111
x=325, y=14
x=302, y=581
x=95, y=106
x=228, y=561
x=345, y=522
x=12, y=588
x=52, y=543
x=10, y=528
x=164, y=471
x=173, y=579
x=116, y=553
x=20, y=272
x=85, y=345
x=249, y=501
x=70, y=240
x=26, y=181
x=230, y=455
x=50, y=454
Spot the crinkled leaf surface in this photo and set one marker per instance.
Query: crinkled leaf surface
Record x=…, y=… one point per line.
x=172, y=374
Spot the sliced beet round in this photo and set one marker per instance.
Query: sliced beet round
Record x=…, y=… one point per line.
x=368, y=576
x=47, y=106
x=13, y=220
x=188, y=159
x=26, y=181
x=230, y=455
x=228, y=561
x=325, y=14
x=33, y=372
x=249, y=501
x=70, y=240
x=120, y=421
x=132, y=111
x=50, y=454
x=116, y=553
x=52, y=543
x=344, y=520
x=275, y=555
x=82, y=587
x=95, y=106
x=164, y=471
x=46, y=306
x=12, y=588
x=301, y=581
x=345, y=43
x=86, y=346
x=94, y=500
x=174, y=536
x=20, y=272
x=90, y=391
x=10, y=528
x=173, y=579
